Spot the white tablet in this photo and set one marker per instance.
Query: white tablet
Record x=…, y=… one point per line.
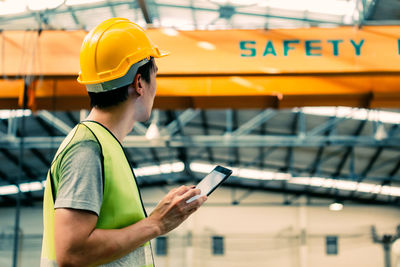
x=209, y=183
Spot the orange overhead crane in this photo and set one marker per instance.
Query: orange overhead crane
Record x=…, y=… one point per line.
x=220, y=69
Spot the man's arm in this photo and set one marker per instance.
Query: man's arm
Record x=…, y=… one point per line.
x=79, y=243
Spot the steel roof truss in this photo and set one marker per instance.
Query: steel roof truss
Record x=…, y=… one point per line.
x=12, y=126
x=114, y=14
x=205, y=127
x=396, y=168
x=229, y=122
x=348, y=150
x=75, y=17
x=140, y=128
x=316, y=165
x=378, y=151
x=180, y=122
x=26, y=169
x=272, y=141
x=41, y=157
x=145, y=11
x=255, y=122
x=55, y=122
x=332, y=122
x=183, y=156
x=234, y=150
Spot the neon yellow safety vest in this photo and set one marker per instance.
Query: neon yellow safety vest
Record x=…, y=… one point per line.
x=122, y=204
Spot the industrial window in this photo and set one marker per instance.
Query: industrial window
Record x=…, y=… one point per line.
x=331, y=245
x=218, y=245
x=161, y=246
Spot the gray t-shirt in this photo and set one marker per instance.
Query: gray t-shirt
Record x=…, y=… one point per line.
x=81, y=183
x=81, y=186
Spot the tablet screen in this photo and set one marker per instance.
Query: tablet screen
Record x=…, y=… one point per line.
x=211, y=181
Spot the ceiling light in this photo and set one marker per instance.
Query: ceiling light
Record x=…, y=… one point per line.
x=81, y=2
x=36, y=5
x=237, y=2
x=354, y=113
x=201, y=167
x=288, y=4
x=347, y=185
x=29, y=187
x=242, y=172
x=153, y=132
x=310, y=181
x=245, y=2
x=380, y=133
x=336, y=206
x=15, y=113
x=160, y=169
x=8, y=190
x=331, y=7
x=338, y=8
x=220, y=1
x=12, y=7
x=24, y=187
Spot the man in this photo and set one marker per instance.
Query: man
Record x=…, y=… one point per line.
x=93, y=212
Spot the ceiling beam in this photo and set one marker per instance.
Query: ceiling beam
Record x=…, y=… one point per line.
x=145, y=11
x=301, y=192
x=349, y=150
x=27, y=170
x=216, y=141
x=315, y=166
x=205, y=127
x=235, y=150
x=266, y=15
x=176, y=124
x=55, y=122
x=255, y=122
x=75, y=18
x=140, y=128
x=378, y=152
x=219, y=141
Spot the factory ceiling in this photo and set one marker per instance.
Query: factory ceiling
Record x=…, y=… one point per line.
x=338, y=153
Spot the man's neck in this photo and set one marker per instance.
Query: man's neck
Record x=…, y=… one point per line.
x=116, y=119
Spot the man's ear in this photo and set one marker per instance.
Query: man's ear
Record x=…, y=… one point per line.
x=138, y=84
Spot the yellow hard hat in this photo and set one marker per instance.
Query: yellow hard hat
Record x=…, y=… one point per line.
x=112, y=52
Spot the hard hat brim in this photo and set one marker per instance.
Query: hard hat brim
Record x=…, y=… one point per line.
x=157, y=53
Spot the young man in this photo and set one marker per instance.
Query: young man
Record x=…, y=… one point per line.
x=93, y=212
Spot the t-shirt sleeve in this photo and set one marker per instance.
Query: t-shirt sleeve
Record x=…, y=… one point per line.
x=81, y=182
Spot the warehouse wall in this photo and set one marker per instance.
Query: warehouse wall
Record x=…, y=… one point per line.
x=257, y=232
x=31, y=226
x=261, y=232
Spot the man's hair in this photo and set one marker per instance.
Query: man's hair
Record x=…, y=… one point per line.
x=114, y=97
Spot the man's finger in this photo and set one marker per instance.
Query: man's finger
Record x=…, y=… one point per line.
x=195, y=204
x=191, y=193
x=182, y=190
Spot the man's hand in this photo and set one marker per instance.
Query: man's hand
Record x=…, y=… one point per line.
x=173, y=209
x=79, y=243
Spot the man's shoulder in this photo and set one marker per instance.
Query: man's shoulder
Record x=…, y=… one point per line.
x=79, y=141
x=84, y=137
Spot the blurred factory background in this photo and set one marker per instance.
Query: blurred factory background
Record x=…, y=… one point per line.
x=300, y=98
